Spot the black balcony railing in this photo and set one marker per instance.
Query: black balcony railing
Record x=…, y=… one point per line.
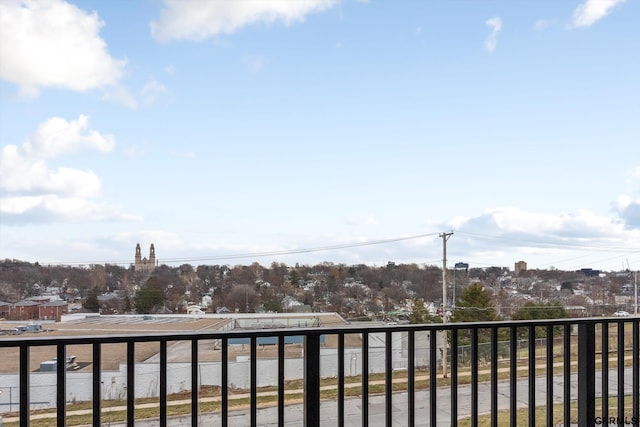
x=493, y=355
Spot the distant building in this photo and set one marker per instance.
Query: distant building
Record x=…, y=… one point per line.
x=302, y=308
x=143, y=264
x=206, y=301
x=5, y=309
x=194, y=310
x=53, y=310
x=589, y=272
x=25, y=310
x=520, y=266
x=462, y=266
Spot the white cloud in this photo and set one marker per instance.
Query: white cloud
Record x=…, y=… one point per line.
x=591, y=11
x=630, y=213
x=362, y=220
x=23, y=169
x=54, y=44
x=31, y=191
x=135, y=151
x=254, y=63
x=168, y=240
x=542, y=24
x=197, y=20
x=511, y=220
x=151, y=91
x=496, y=25
x=53, y=208
x=571, y=240
x=57, y=136
x=120, y=95
x=626, y=206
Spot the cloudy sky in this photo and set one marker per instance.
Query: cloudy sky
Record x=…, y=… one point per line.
x=231, y=132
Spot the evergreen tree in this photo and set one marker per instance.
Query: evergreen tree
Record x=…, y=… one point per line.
x=475, y=305
x=419, y=313
x=91, y=303
x=534, y=311
x=294, y=278
x=147, y=299
x=127, y=304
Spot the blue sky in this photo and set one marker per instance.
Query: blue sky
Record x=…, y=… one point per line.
x=219, y=128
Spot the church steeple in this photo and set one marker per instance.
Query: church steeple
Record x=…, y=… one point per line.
x=144, y=264
x=152, y=255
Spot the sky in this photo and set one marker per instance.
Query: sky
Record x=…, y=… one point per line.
x=309, y=131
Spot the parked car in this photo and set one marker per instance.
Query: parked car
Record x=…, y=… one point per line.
x=621, y=314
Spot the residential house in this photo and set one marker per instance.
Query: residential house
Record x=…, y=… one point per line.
x=53, y=310
x=25, y=310
x=5, y=309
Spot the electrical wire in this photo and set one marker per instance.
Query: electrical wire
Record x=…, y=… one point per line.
x=542, y=244
x=265, y=254
x=463, y=234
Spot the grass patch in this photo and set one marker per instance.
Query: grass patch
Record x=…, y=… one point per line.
x=522, y=415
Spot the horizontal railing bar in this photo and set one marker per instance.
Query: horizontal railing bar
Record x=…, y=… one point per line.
x=289, y=332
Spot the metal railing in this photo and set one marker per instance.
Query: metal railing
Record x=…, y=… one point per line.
x=554, y=355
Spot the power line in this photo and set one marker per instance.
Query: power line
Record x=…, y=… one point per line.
x=464, y=234
x=267, y=253
x=546, y=244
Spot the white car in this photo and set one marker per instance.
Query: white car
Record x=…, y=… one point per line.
x=621, y=314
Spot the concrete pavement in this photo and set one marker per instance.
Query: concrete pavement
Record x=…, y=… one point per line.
x=353, y=406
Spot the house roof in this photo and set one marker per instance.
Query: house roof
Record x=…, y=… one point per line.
x=303, y=308
x=26, y=304
x=54, y=304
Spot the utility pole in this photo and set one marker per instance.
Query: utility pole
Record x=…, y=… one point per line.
x=445, y=237
x=635, y=288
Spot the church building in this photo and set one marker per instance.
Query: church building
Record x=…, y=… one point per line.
x=143, y=264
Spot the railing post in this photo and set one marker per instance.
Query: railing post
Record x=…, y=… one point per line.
x=586, y=373
x=131, y=386
x=97, y=383
x=365, y=379
x=195, y=383
x=411, y=382
x=24, y=385
x=281, y=399
x=253, y=390
x=163, y=383
x=224, y=388
x=388, y=379
x=341, y=379
x=61, y=383
x=532, y=375
x=636, y=370
x=312, y=379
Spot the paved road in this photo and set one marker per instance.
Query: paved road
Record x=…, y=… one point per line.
x=353, y=406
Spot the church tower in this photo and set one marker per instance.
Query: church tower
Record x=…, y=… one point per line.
x=152, y=257
x=143, y=264
x=138, y=259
